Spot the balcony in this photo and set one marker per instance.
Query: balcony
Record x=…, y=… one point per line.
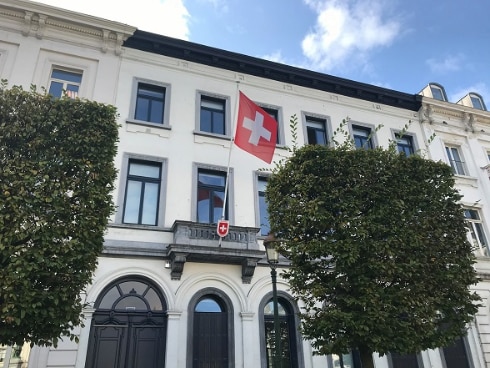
x=196, y=242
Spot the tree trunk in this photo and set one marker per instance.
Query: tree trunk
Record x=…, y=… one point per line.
x=366, y=357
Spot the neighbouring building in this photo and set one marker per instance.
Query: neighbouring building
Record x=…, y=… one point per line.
x=166, y=292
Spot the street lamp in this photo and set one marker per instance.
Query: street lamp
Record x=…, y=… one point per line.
x=273, y=259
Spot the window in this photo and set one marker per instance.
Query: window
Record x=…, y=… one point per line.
x=14, y=356
x=350, y=360
x=212, y=115
x=150, y=103
x=262, y=204
x=438, y=92
x=210, y=195
x=362, y=137
x=289, y=353
x=403, y=360
x=405, y=144
x=475, y=228
x=455, y=160
x=274, y=114
x=64, y=80
x=456, y=355
x=477, y=101
x=316, y=130
x=142, y=193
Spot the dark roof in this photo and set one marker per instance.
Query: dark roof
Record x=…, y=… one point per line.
x=218, y=58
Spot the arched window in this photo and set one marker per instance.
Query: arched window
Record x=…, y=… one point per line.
x=129, y=326
x=210, y=330
x=290, y=342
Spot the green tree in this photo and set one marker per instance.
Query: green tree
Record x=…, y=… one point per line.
x=56, y=176
x=378, y=249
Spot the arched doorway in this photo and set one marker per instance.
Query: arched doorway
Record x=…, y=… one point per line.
x=128, y=327
x=210, y=330
x=291, y=353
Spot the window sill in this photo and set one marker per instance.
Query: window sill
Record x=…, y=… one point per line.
x=137, y=226
x=148, y=124
x=212, y=135
x=466, y=180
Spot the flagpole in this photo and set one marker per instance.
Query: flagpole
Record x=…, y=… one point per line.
x=233, y=122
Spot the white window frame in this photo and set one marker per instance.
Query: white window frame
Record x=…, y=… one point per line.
x=396, y=136
x=230, y=200
x=65, y=82
x=439, y=89
x=475, y=228
x=458, y=165
x=280, y=130
x=353, y=125
x=259, y=176
x=123, y=179
x=166, y=105
x=479, y=101
x=326, y=125
x=226, y=100
x=49, y=60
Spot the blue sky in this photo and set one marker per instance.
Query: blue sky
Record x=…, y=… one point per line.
x=397, y=44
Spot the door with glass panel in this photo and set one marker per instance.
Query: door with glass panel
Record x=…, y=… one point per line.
x=128, y=327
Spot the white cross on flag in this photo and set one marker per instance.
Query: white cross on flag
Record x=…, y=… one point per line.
x=256, y=130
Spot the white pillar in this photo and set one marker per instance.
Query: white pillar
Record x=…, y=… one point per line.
x=173, y=353
x=84, y=337
x=250, y=342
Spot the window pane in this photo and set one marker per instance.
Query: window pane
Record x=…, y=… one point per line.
x=212, y=179
x=218, y=123
x=56, y=89
x=66, y=76
x=153, y=92
x=264, y=216
x=153, y=300
x=477, y=104
x=132, y=205
x=437, y=93
x=133, y=287
x=269, y=309
x=109, y=298
x=150, y=204
x=130, y=303
x=149, y=171
x=205, y=121
x=208, y=305
x=156, y=113
x=142, y=107
x=212, y=104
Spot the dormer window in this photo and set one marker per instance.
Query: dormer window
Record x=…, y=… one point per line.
x=477, y=101
x=438, y=92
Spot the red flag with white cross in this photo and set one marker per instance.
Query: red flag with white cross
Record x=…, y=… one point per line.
x=256, y=130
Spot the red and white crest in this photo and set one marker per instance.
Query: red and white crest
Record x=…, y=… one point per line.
x=223, y=228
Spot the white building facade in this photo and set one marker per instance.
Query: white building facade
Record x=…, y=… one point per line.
x=166, y=292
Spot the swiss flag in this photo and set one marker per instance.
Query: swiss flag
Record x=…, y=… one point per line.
x=256, y=130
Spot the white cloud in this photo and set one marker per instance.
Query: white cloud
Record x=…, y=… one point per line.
x=166, y=17
x=346, y=31
x=451, y=63
x=276, y=56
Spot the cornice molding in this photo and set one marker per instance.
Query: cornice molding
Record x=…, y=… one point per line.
x=222, y=59
x=42, y=21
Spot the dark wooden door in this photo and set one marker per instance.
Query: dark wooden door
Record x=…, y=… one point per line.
x=127, y=341
x=210, y=343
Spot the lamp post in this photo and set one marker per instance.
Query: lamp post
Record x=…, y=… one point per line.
x=273, y=260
